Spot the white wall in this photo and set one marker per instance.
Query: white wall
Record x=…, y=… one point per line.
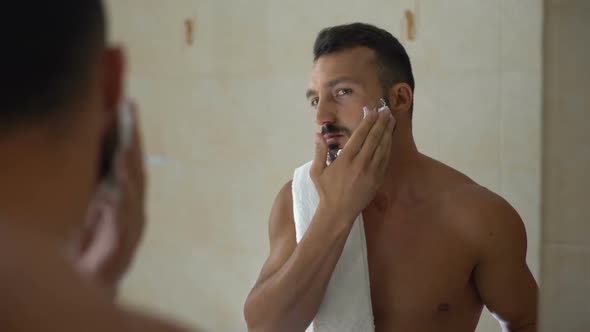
x=565, y=301
x=229, y=122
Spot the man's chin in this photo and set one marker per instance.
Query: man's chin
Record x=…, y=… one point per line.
x=338, y=143
x=334, y=146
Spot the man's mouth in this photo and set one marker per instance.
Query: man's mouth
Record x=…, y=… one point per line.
x=334, y=135
x=334, y=139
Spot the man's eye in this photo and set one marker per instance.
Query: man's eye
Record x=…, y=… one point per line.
x=314, y=102
x=342, y=92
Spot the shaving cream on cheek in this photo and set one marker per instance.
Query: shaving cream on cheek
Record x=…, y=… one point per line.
x=334, y=151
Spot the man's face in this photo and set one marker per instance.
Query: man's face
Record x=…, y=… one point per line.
x=341, y=84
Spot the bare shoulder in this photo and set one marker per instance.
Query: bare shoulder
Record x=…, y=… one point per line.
x=281, y=233
x=284, y=199
x=281, y=216
x=19, y=251
x=42, y=292
x=475, y=202
x=482, y=215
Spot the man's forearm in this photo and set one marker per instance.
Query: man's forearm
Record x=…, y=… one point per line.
x=290, y=298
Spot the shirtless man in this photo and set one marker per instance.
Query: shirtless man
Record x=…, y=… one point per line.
x=439, y=246
x=60, y=88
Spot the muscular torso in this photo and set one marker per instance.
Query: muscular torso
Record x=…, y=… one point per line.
x=420, y=264
x=439, y=247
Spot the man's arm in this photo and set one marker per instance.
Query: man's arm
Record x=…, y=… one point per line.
x=294, y=278
x=293, y=281
x=502, y=276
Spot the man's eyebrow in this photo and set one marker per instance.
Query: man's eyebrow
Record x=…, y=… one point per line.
x=310, y=93
x=339, y=80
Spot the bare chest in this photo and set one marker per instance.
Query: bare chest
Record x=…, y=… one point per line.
x=420, y=267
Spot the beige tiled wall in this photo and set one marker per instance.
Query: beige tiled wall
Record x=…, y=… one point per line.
x=565, y=296
x=226, y=123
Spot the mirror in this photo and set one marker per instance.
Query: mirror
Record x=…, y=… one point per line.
x=220, y=85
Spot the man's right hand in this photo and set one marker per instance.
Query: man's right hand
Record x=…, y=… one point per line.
x=350, y=183
x=115, y=223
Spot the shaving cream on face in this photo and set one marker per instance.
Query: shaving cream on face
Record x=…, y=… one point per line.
x=334, y=152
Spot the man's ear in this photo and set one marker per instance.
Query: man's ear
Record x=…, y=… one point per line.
x=401, y=98
x=113, y=69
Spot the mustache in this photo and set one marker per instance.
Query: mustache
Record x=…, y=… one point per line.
x=333, y=129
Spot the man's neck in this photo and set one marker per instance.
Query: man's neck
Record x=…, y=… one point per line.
x=405, y=163
x=27, y=174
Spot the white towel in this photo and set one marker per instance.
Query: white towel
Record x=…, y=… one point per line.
x=346, y=306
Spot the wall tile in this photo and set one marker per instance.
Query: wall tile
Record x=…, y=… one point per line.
x=565, y=305
x=470, y=125
x=461, y=35
x=566, y=130
x=521, y=35
x=521, y=152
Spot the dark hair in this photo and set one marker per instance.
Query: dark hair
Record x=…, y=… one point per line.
x=394, y=62
x=46, y=52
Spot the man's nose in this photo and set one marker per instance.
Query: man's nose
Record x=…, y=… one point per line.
x=325, y=113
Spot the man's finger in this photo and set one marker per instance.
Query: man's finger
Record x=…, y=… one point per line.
x=356, y=141
x=383, y=151
x=319, y=161
x=373, y=139
x=134, y=157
